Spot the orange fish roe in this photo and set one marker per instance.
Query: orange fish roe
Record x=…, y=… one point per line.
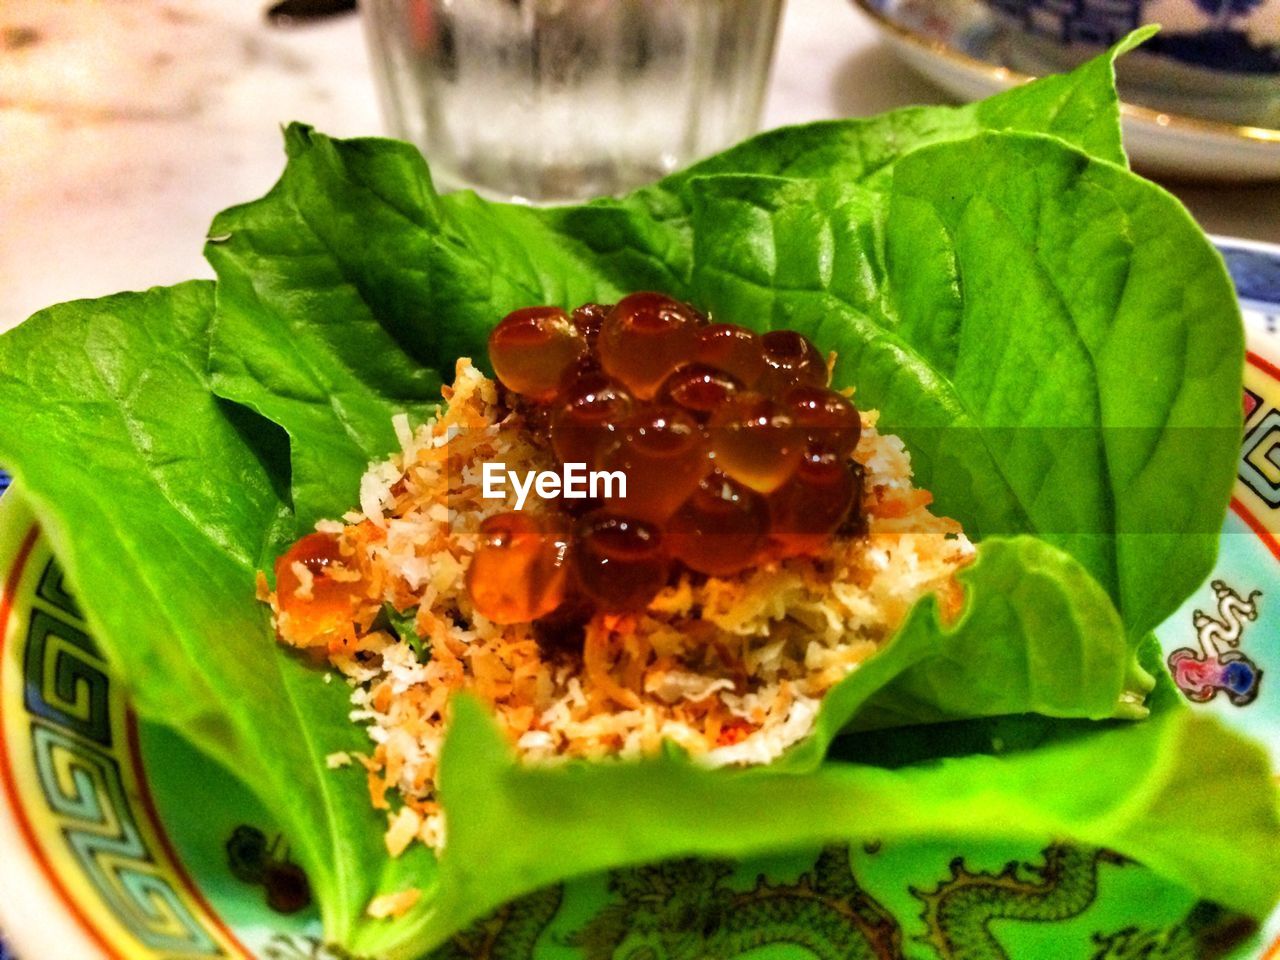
x=731, y=668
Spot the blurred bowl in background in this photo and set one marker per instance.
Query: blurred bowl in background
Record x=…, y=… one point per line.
x=971, y=52
x=1209, y=54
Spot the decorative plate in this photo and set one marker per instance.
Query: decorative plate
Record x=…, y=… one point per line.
x=101, y=855
x=962, y=46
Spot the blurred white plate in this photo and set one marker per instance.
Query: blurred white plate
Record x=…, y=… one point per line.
x=960, y=46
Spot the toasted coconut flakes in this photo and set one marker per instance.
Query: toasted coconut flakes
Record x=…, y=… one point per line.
x=761, y=748
x=306, y=581
x=393, y=904
x=400, y=423
x=403, y=830
x=676, y=685
x=335, y=761
x=731, y=669
x=432, y=832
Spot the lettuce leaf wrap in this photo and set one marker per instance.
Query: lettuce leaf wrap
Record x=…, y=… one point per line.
x=1053, y=337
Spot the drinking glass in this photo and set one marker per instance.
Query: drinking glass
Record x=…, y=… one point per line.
x=558, y=100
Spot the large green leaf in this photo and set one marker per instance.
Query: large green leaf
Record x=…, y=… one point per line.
x=1053, y=337
x=1037, y=634
x=347, y=293
x=643, y=240
x=1139, y=789
x=159, y=499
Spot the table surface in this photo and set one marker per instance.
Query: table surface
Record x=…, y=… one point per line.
x=124, y=127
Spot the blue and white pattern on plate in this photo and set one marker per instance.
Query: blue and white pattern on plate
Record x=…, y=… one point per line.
x=1225, y=35
x=1256, y=272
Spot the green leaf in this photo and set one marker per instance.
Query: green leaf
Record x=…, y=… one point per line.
x=347, y=293
x=1139, y=789
x=328, y=321
x=1053, y=337
x=160, y=500
x=1036, y=635
x=643, y=241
